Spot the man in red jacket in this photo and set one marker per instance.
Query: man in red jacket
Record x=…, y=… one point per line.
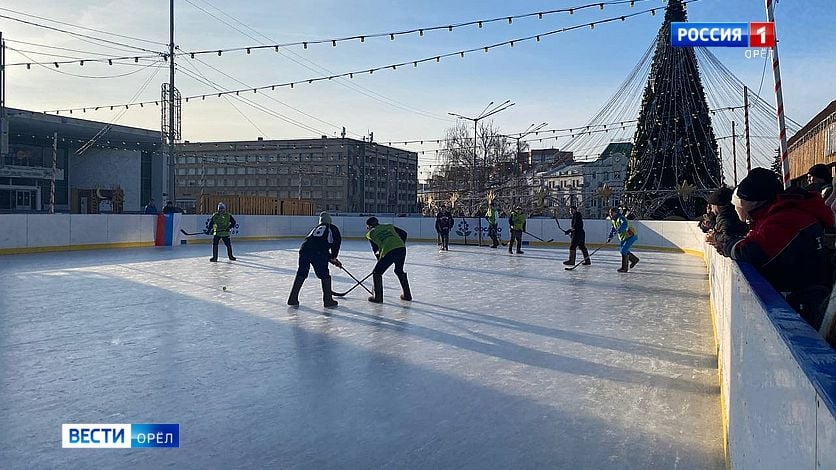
x=786, y=240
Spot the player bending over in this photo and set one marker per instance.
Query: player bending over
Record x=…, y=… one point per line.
x=388, y=245
x=321, y=246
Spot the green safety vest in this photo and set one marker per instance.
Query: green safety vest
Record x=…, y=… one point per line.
x=491, y=215
x=518, y=220
x=386, y=238
x=221, y=224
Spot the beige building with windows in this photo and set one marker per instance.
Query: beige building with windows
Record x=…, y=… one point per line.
x=338, y=174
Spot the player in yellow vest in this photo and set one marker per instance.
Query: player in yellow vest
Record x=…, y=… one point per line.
x=516, y=222
x=623, y=228
x=388, y=246
x=219, y=226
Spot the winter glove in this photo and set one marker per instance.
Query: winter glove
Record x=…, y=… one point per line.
x=336, y=262
x=567, y=232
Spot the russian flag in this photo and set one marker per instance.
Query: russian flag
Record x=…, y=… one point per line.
x=168, y=230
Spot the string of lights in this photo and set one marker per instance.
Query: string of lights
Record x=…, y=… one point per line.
x=370, y=71
x=420, y=31
x=362, y=37
x=141, y=66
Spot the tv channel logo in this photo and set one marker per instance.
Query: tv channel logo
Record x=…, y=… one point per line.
x=760, y=35
x=119, y=436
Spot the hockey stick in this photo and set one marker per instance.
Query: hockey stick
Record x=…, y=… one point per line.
x=343, y=294
x=356, y=280
x=206, y=232
x=588, y=257
x=535, y=236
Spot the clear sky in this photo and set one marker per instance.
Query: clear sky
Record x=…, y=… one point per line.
x=562, y=80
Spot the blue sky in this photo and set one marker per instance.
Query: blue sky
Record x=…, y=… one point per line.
x=562, y=80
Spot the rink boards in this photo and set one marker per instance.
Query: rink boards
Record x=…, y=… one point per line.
x=29, y=233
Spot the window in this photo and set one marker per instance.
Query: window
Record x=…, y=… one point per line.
x=241, y=171
x=192, y=171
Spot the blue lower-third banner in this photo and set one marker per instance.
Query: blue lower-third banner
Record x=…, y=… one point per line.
x=119, y=436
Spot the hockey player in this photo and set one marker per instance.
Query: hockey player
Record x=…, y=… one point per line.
x=321, y=246
x=516, y=223
x=388, y=245
x=492, y=215
x=443, y=224
x=219, y=225
x=626, y=235
x=578, y=238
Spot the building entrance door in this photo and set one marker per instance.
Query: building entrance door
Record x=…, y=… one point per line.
x=23, y=200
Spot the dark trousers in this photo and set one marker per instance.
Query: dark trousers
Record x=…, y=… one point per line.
x=578, y=241
x=445, y=238
x=318, y=260
x=515, y=235
x=492, y=229
x=228, y=244
x=396, y=257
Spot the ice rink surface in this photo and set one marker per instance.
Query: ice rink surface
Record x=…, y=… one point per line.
x=501, y=361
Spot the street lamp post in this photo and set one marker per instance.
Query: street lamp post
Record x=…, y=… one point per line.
x=489, y=110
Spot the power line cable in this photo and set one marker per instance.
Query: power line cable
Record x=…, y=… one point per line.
x=123, y=36
x=37, y=25
x=316, y=68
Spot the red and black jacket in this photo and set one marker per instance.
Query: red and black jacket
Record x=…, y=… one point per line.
x=786, y=241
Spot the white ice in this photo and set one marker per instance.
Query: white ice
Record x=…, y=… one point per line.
x=501, y=361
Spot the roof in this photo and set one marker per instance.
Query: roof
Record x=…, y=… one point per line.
x=41, y=125
x=830, y=109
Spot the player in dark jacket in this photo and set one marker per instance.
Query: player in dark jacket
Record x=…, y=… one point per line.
x=578, y=238
x=727, y=224
x=443, y=224
x=389, y=246
x=785, y=240
x=321, y=246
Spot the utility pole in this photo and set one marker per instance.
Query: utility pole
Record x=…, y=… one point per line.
x=779, y=99
x=54, y=164
x=488, y=111
x=734, y=151
x=4, y=122
x=746, y=129
x=172, y=135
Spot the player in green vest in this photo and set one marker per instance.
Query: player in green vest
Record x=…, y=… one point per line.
x=493, y=217
x=388, y=246
x=516, y=222
x=219, y=225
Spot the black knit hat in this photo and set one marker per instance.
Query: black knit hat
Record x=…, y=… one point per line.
x=721, y=197
x=372, y=221
x=820, y=170
x=759, y=185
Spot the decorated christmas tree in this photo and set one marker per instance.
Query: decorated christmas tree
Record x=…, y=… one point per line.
x=674, y=164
